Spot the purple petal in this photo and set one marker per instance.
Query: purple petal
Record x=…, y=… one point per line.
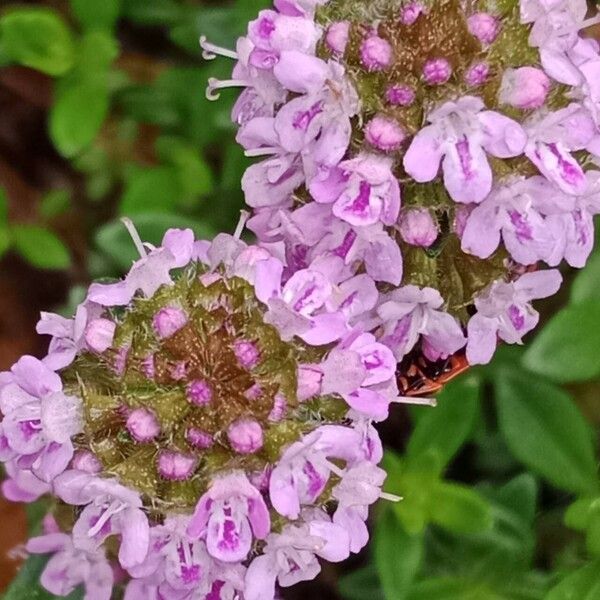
x=422, y=159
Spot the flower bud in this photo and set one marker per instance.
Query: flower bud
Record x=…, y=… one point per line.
x=168, y=321
x=99, y=335
x=143, y=425
x=525, y=88
x=245, y=436
x=384, y=134
x=418, y=228
x=411, y=12
x=437, y=71
x=337, y=37
x=400, y=95
x=477, y=74
x=176, y=466
x=199, y=392
x=376, y=54
x=484, y=27
x=199, y=439
x=247, y=353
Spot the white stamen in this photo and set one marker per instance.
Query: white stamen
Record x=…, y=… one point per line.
x=217, y=84
x=334, y=468
x=115, y=508
x=267, y=151
x=135, y=236
x=390, y=497
x=244, y=216
x=416, y=400
x=211, y=51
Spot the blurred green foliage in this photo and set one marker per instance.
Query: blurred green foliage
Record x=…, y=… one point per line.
x=499, y=483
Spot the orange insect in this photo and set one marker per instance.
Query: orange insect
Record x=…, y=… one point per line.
x=418, y=376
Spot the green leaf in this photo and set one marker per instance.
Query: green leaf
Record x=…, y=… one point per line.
x=153, y=12
x=26, y=585
x=397, y=555
x=587, y=283
x=96, y=52
x=79, y=110
x=36, y=511
x=361, y=584
x=519, y=496
x=40, y=247
x=96, y=14
x=152, y=189
x=444, y=588
x=459, y=509
x=38, y=38
x=544, y=429
x=3, y=206
x=445, y=428
x=583, y=584
x=195, y=176
x=55, y=203
x=566, y=350
x=114, y=240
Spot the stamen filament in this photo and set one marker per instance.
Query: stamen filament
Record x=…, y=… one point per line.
x=211, y=51
x=135, y=236
x=217, y=84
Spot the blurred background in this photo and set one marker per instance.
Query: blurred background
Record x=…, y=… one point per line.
x=103, y=114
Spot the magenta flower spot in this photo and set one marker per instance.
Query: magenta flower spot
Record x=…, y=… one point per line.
x=384, y=134
x=477, y=74
x=245, y=436
x=169, y=321
x=247, y=354
x=143, y=425
x=376, y=54
x=199, y=439
x=337, y=37
x=279, y=409
x=176, y=466
x=484, y=27
x=400, y=95
x=254, y=392
x=199, y=392
x=437, y=71
x=418, y=228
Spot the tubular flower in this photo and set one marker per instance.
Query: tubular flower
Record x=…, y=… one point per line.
x=184, y=442
x=432, y=145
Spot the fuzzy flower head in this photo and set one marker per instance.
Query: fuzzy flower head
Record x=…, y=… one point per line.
x=183, y=437
x=397, y=120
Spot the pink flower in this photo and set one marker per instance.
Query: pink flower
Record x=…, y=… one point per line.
x=437, y=71
x=513, y=212
x=337, y=36
x=409, y=313
x=110, y=509
x=291, y=556
x=229, y=514
x=384, y=134
x=72, y=565
x=150, y=272
x=363, y=190
x=552, y=138
x=504, y=311
x=418, y=228
x=39, y=419
x=459, y=135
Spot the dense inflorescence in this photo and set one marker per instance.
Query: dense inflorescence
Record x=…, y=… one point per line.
x=203, y=424
x=446, y=149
